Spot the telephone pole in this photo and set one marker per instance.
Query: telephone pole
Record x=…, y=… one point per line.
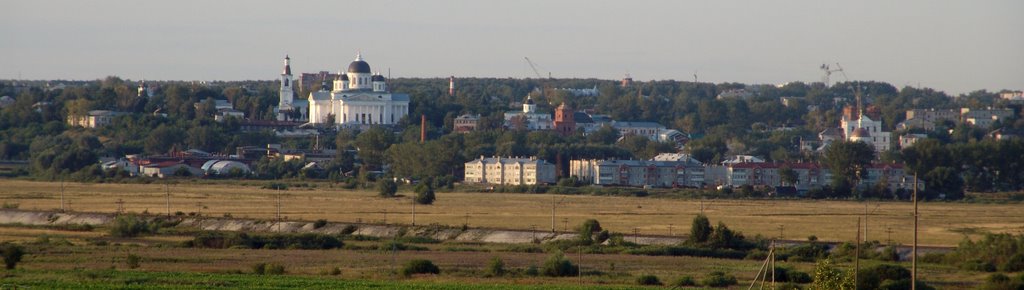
x=856, y=267
x=167, y=189
x=62, y=194
x=913, y=273
x=414, y=211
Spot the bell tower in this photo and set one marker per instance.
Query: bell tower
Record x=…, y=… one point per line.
x=287, y=90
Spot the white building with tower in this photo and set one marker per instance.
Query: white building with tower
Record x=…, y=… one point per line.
x=528, y=119
x=288, y=108
x=359, y=97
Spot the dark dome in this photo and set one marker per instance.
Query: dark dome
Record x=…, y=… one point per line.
x=529, y=101
x=359, y=67
x=343, y=77
x=377, y=78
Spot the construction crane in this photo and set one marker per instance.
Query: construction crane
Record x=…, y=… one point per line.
x=828, y=73
x=856, y=87
x=534, y=67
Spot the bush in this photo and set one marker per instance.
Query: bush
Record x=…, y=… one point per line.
x=1014, y=264
x=558, y=266
x=648, y=280
x=719, y=279
x=420, y=266
x=386, y=188
x=532, y=271
x=267, y=269
x=259, y=268
x=684, y=281
x=873, y=277
x=425, y=194
x=496, y=267
x=319, y=223
x=220, y=240
x=701, y=229
x=12, y=254
x=133, y=261
x=977, y=265
x=127, y=226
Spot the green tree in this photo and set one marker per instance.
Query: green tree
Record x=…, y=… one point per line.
x=828, y=277
x=425, y=193
x=12, y=254
x=788, y=175
x=371, y=146
x=605, y=135
x=848, y=162
x=163, y=138
x=700, y=229
x=587, y=229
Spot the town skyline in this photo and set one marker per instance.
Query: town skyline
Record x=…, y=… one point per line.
x=953, y=47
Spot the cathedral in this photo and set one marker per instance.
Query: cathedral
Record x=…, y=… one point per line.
x=358, y=97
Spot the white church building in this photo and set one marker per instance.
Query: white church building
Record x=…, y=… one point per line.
x=358, y=97
x=288, y=108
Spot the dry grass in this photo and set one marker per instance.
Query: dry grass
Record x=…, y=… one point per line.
x=941, y=223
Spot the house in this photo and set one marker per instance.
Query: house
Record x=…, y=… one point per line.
x=93, y=119
x=650, y=130
x=909, y=139
x=509, y=171
x=466, y=123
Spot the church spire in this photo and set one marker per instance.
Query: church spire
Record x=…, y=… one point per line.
x=359, y=56
x=287, y=65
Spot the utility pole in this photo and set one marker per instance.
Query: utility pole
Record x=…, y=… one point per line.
x=414, y=211
x=279, y=211
x=167, y=189
x=565, y=224
x=466, y=223
x=782, y=229
x=62, y=194
x=552, y=213
x=120, y=206
x=579, y=265
x=856, y=267
x=636, y=235
x=913, y=273
x=670, y=229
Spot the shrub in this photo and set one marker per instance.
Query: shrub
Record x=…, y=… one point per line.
x=133, y=261
x=259, y=268
x=420, y=266
x=496, y=267
x=275, y=269
x=131, y=226
x=532, y=271
x=873, y=277
x=319, y=223
x=12, y=254
x=425, y=194
x=386, y=187
x=977, y=265
x=558, y=266
x=648, y=280
x=1014, y=264
x=684, y=281
x=719, y=279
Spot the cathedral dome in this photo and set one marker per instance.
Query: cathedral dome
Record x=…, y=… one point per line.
x=359, y=66
x=378, y=78
x=342, y=77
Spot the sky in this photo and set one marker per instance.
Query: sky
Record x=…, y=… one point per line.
x=953, y=46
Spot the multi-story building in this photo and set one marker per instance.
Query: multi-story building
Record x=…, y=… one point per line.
x=984, y=117
x=650, y=130
x=927, y=118
x=466, y=123
x=639, y=173
x=93, y=119
x=509, y=171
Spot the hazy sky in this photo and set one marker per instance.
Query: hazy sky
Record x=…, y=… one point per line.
x=955, y=46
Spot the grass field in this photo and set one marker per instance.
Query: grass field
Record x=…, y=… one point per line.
x=941, y=223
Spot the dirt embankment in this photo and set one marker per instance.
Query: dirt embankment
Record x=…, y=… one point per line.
x=443, y=233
